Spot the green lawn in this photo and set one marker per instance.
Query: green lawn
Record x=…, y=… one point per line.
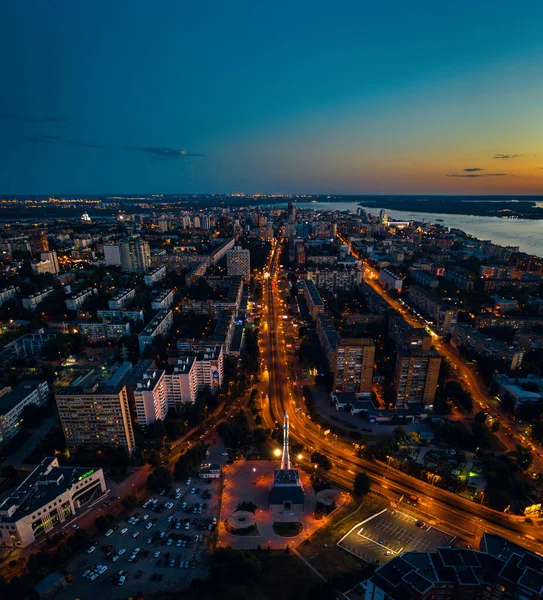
x=288, y=529
x=340, y=567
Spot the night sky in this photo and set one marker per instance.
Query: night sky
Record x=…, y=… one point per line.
x=313, y=96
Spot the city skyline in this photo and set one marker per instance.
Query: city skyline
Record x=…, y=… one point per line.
x=245, y=98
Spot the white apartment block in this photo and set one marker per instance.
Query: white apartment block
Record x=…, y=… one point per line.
x=119, y=315
x=47, y=264
x=112, y=254
x=160, y=324
x=135, y=255
x=121, y=298
x=163, y=299
x=154, y=276
x=238, y=263
x=150, y=398
x=8, y=294
x=13, y=402
x=182, y=384
x=46, y=499
x=101, y=332
x=390, y=281
x=76, y=301
x=209, y=367
x=32, y=301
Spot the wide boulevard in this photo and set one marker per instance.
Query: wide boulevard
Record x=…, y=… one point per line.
x=454, y=513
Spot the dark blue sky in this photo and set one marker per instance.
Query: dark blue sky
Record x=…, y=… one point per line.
x=318, y=97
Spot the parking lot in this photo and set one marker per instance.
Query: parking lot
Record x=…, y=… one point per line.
x=160, y=545
x=392, y=532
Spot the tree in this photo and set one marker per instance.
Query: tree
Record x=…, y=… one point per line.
x=321, y=461
x=161, y=478
x=362, y=484
x=480, y=417
x=154, y=458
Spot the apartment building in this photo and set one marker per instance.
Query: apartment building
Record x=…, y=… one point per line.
x=13, y=402
x=312, y=297
x=442, y=315
x=77, y=300
x=417, y=365
x=150, y=397
x=163, y=299
x=216, y=254
x=390, y=281
x=238, y=263
x=121, y=298
x=94, y=411
x=135, y=255
x=182, y=383
x=9, y=294
x=47, y=264
x=160, y=324
x=120, y=314
x=45, y=500
x=477, y=341
x=351, y=360
x=199, y=270
x=101, y=332
x=32, y=301
x=424, y=278
x=154, y=276
x=112, y=255
x=376, y=304
x=333, y=280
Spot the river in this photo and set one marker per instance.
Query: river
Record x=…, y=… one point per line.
x=527, y=234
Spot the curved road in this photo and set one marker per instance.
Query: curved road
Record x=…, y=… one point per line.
x=467, y=518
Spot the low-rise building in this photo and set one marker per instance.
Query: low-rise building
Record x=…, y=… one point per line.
x=46, y=499
x=312, y=297
x=477, y=341
x=121, y=298
x=31, y=302
x=101, y=332
x=163, y=299
x=13, y=403
x=120, y=314
x=442, y=315
x=9, y=294
x=154, y=276
x=160, y=324
x=77, y=300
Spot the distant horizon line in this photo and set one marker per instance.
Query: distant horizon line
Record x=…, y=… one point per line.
x=263, y=194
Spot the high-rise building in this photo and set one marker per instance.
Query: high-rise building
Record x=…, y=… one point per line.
x=291, y=212
x=350, y=359
x=150, y=398
x=135, y=255
x=238, y=263
x=95, y=412
x=112, y=254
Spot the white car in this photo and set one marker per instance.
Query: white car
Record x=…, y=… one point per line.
x=148, y=526
x=121, y=551
x=145, y=517
x=184, y=504
x=187, y=525
x=214, y=521
x=116, y=557
x=123, y=531
x=169, y=542
x=109, y=532
x=93, y=576
x=87, y=573
x=193, y=490
x=102, y=569
x=156, y=554
x=188, y=481
x=91, y=549
x=136, y=534
x=122, y=579
x=178, y=543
